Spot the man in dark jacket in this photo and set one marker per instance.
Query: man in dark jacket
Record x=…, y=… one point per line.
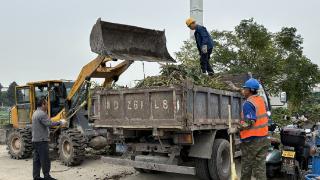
x=40, y=139
x=204, y=45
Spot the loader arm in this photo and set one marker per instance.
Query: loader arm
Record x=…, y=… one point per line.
x=97, y=69
x=118, y=41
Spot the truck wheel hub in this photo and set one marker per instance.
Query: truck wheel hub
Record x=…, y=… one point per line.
x=225, y=161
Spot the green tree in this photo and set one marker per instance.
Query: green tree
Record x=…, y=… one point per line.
x=278, y=116
x=277, y=58
x=4, y=99
x=310, y=107
x=299, y=74
x=11, y=93
x=1, y=100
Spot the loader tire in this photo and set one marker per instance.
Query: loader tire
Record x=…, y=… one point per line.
x=19, y=143
x=71, y=147
x=219, y=164
x=202, y=170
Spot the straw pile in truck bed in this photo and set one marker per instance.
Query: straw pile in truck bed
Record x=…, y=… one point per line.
x=178, y=74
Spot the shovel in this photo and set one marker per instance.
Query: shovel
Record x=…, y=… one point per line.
x=125, y=42
x=233, y=165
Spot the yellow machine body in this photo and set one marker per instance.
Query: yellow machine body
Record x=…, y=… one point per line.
x=26, y=96
x=71, y=100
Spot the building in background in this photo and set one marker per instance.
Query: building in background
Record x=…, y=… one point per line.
x=276, y=103
x=316, y=89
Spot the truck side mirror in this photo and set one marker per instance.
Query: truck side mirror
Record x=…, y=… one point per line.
x=283, y=97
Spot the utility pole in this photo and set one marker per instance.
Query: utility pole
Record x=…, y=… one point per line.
x=196, y=12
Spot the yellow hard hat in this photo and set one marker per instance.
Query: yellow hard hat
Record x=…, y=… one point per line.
x=189, y=21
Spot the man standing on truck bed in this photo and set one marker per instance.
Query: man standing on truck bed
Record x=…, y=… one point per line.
x=40, y=139
x=253, y=133
x=204, y=45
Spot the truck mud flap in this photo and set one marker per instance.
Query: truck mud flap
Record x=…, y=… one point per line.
x=150, y=165
x=126, y=42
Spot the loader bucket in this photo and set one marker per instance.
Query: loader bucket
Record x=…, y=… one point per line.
x=129, y=42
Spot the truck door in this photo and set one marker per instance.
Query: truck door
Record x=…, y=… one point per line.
x=23, y=105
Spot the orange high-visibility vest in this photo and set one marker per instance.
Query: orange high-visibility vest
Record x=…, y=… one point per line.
x=260, y=127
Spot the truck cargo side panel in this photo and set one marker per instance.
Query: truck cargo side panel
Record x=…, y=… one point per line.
x=210, y=107
x=139, y=108
x=182, y=108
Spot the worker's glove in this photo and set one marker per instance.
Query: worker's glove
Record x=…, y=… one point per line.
x=246, y=124
x=63, y=122
x=232, y=130
x=204, y=49
x=232, y=86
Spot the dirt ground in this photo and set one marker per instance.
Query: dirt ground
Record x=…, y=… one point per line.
x=91, y=169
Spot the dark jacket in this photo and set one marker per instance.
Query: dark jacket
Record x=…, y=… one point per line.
x=203, y=37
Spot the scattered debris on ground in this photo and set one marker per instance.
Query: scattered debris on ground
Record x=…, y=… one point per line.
x=118, y=176
x=91, y=169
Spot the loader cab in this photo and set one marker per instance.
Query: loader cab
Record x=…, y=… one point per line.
x=55, y=93
x=26, y=97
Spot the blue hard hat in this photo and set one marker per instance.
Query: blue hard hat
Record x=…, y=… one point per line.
x=252, y=84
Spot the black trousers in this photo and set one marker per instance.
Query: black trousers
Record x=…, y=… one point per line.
x=204, y=62
x=41, y=159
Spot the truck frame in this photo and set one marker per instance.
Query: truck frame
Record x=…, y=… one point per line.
x=181, y=129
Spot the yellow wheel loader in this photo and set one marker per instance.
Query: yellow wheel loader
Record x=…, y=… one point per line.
x=72, y=100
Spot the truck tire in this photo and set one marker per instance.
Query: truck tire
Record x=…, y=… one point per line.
x=219, y=164
x=19, y=143
x=202, y=170
x=71, y=145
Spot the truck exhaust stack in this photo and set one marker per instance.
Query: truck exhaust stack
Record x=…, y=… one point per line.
x=126, y=42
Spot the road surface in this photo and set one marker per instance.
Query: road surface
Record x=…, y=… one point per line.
x=91, y=169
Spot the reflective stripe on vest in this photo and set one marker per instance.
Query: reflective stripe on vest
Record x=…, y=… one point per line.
x=260, y=127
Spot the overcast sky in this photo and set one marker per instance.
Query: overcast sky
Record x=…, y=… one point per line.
x=45, y=39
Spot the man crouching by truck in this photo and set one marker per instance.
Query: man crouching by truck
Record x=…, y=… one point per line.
x=40, y=138
x=253, y=133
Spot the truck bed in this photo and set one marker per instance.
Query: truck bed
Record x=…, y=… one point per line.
x=185, y=108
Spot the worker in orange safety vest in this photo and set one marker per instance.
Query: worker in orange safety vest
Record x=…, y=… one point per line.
x=253, y=133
